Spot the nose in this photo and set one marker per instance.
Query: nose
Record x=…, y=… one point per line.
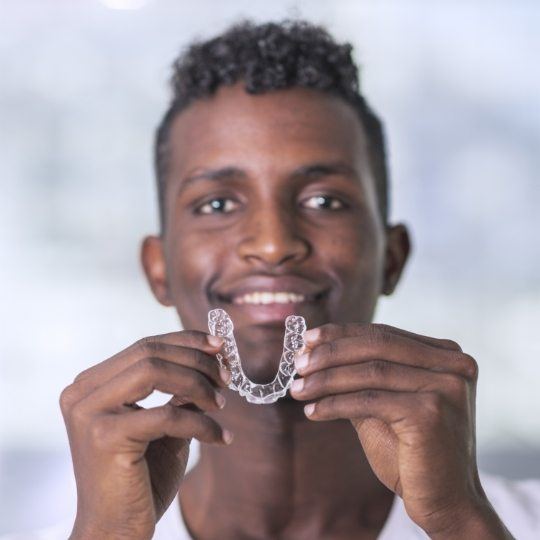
x=272, y=238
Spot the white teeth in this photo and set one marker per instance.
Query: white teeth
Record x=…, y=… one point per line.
x=269, y=298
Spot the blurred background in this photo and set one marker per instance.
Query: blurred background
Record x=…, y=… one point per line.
x=82, y=86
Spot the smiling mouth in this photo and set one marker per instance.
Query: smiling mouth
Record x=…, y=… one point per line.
x=259, y=298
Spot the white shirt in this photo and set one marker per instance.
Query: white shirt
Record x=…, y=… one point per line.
x=516, y=502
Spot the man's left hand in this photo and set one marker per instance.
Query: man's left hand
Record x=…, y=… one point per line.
x=411, y=400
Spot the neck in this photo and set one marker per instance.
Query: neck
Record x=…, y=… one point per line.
x=283, y=474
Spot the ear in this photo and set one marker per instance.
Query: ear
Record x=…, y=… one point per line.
x=155, y=269
x=398, y=247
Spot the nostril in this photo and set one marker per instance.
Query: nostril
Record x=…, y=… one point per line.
x=273, y=248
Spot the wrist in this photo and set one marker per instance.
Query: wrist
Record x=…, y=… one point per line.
x=479, y=521
x=91, y=532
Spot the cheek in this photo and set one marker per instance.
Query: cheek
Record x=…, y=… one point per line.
x=356, y=257
x=195, y=262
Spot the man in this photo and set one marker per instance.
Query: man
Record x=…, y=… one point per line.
x=273, y=201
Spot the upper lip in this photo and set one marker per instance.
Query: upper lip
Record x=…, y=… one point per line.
x=291, y=284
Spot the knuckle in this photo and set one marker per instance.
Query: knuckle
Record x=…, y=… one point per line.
x=193, y=388
x=325, y=354
x=196, y=386
x=385, y=328
x=455, y=386
x=328, y=330
x=169, y=415
x=149, y=365
x=368, y=396
x=99, y=432
x=471, y=365
x=377, y=369
x=148, y=373
x=147, y=345
x=206, y=429
x=201, y=387
x=319, y=380
x=209, y=427
x=326, y=405
x=200, y=359
x=67, y=398
x=193, y=336
x=193, y=382
x=196, y=337
x=83, y=374
x=332, y=350
x=352, y=329
x=77, y=414
x=322, y=353
x=143, y=346
x=379, y=334
x=432, y=406
x=158, y=347
x=451, y=344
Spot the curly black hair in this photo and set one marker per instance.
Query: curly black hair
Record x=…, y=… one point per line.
x=268, y=57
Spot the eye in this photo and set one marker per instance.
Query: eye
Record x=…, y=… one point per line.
x=325, y=202
x=220, y=205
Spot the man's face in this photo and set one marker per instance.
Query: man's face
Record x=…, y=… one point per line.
x=271, y=210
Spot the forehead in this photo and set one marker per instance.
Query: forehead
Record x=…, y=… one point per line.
x=272, y=132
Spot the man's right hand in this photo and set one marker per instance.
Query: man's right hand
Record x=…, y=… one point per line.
x=129, y=461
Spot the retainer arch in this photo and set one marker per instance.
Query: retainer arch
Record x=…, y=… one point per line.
x=220, y=324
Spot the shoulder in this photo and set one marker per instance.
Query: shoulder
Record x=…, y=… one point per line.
x=517, y=502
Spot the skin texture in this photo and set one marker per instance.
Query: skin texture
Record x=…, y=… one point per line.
x=388, y=411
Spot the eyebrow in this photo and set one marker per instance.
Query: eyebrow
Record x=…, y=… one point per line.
x=316, y=169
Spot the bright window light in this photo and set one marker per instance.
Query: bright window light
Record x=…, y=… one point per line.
x=124, y=4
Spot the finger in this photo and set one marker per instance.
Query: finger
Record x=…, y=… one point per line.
x=389, y=347
x=168, y=346
x=116, y=430
x=203, y=362
x=330, y=332
x=390, y=407
x=379, y=375
x=141, y=379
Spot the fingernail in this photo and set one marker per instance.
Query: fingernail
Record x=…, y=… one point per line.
x=310, y=336
x=297, y=385
x=308, y=409
x=215, y=341
x=227, y=436
x=301, y=361
x=225, y=375
x=220, y=400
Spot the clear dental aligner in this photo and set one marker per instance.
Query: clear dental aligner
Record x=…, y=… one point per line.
x=220, y=324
